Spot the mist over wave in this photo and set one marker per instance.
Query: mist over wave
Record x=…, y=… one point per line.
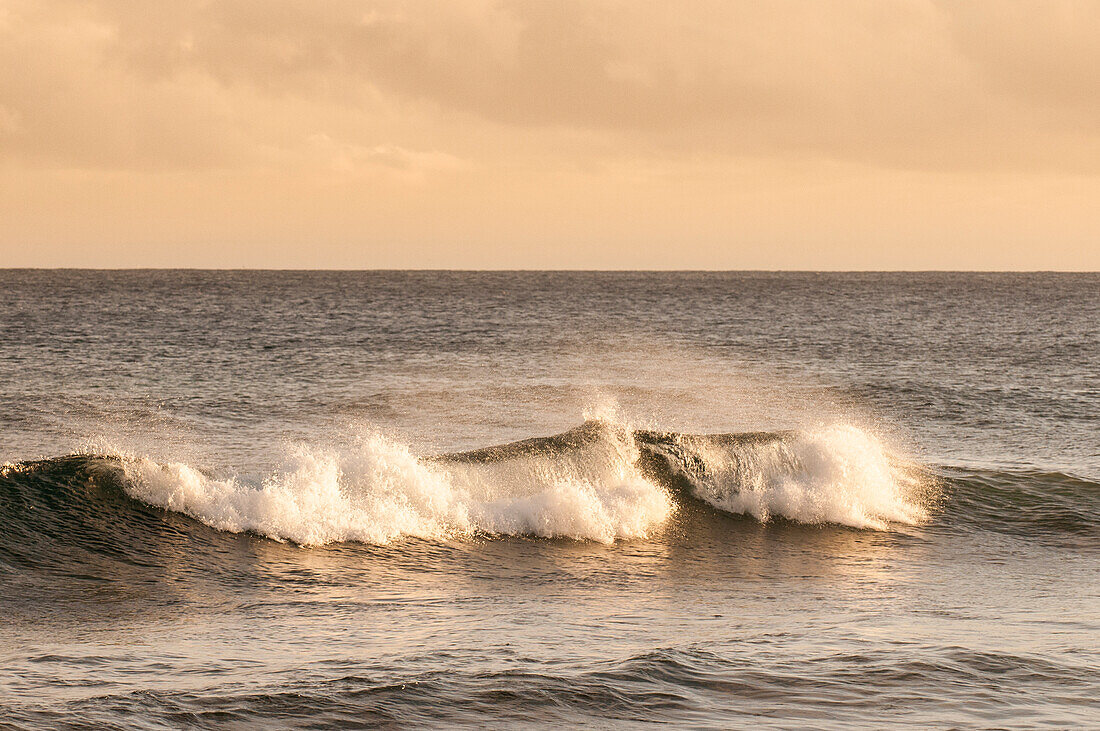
x=378, y=490
x=601, y=481
x=837, y=474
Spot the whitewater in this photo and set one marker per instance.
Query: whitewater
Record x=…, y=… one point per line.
x=601, y=481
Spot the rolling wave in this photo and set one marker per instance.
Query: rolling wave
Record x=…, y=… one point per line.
x=599, y=481
x=1037, y=503
x=681, y=683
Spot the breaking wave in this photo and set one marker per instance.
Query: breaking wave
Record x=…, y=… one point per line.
x=600, y=481
x=378, y=491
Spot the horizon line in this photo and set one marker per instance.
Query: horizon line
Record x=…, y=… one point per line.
x=547, y=271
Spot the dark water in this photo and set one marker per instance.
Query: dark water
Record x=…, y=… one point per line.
x=777, y=500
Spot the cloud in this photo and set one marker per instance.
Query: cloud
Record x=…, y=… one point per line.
x=706, y=130
x=409, y=165
x=896, y=83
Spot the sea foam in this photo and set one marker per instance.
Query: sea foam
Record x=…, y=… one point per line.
x=836, y=474
x=377, y=490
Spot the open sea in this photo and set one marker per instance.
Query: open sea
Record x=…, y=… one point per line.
x=527, y=499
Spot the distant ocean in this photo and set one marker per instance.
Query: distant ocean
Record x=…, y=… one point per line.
x=525, y=499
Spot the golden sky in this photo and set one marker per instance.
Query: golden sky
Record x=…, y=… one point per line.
x=696, y=134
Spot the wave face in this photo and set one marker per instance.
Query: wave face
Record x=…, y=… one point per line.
x=600, y=481
x=378, y=490
x=838, y=474
x=1040, y=504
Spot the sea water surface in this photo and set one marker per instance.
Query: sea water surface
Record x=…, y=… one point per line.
x=327, y=499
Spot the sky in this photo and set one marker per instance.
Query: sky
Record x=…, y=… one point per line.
x=558, y=134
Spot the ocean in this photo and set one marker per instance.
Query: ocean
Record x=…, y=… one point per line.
x=236, y=499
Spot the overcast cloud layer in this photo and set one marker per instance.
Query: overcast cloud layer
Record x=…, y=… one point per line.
x=696, y=134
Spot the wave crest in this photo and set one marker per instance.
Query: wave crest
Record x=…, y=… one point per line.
x=379, y=491
x=838, y=474
x=600, y=481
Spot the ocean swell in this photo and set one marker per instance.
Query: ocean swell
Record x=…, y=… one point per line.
x=600, y=481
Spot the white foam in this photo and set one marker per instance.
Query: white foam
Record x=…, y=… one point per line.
x=377, y=491
x=838, y=474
